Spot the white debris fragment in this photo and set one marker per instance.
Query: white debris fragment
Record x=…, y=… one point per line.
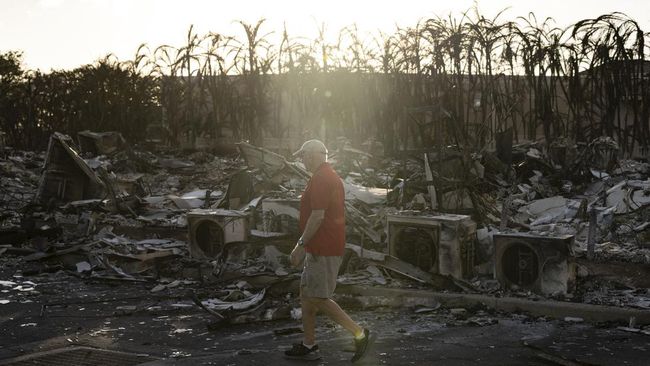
x=158, y=288
x=548, y=210
x=181, y=330
x=628, y=196
x=571, y=319
x=83, y=267
x=250, y=301
x=599, y=174
x=534, y=153
x=296, y=313
x=371, y=196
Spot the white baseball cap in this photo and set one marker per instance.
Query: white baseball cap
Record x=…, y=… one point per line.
x=312, y=146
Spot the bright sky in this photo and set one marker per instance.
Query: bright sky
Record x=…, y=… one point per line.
x=68, y=33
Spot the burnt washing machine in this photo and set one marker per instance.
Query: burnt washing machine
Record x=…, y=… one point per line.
x=439, y=244
x=541, y=264
x=211, y=230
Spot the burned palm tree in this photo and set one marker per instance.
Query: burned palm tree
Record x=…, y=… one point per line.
x=253, y=60
x=534, y=51
x=480, y=76
x=217, y=83
x=487, y=85
x=167, y=70
x=615, y=46
x=188, y=58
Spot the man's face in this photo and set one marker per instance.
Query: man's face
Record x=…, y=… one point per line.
x=306, y=157
x=311, y=159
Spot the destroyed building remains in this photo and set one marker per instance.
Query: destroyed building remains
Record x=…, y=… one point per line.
x=523, y=231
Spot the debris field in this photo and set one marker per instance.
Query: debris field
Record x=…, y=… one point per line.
x=163, y=256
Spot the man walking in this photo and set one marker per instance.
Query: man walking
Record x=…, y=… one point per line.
x=320, y=249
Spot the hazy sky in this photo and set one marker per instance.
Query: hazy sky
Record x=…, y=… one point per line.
x=68, y=33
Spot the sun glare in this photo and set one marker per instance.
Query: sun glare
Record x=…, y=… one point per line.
x=66, y=34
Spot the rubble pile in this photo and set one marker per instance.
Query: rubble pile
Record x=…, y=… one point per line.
x=19, y=176
x=534, y=221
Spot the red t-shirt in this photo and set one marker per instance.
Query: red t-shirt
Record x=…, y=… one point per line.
x=325, y=191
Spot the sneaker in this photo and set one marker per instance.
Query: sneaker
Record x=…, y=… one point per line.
x=361, y=345
x=300, y=352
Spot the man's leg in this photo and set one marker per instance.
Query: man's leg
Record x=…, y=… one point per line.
x=334, y=311
x=309, y=310
x=308, y=349
x=361, y=335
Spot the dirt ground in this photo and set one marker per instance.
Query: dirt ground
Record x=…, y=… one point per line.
x=166, y=329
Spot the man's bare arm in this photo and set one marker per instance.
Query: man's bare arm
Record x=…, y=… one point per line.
x=313, y=223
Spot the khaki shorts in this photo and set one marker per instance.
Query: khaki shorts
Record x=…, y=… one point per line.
x=319, y=275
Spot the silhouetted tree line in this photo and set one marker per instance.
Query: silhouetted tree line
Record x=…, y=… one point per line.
x=480, y=75
x=104, y=96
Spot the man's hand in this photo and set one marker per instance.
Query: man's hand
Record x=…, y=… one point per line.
x=297, y=255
